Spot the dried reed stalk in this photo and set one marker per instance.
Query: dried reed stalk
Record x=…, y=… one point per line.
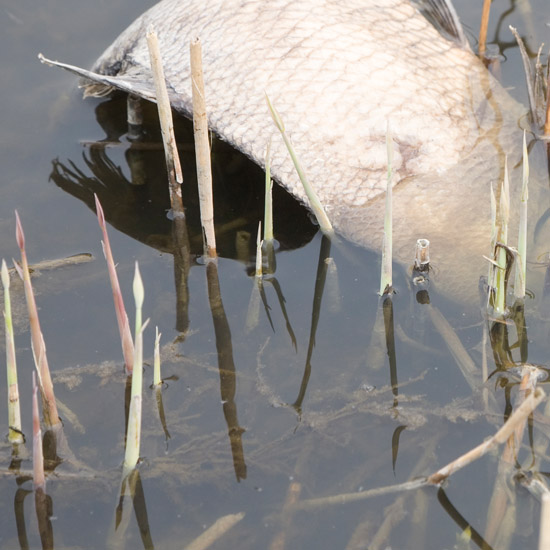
x=202, y=149
x=483, y=27
x=175, y=177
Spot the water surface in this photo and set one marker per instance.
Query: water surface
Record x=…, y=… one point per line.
x=296, y=397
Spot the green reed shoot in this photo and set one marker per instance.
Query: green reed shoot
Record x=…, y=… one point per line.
x=268, y=206
x=120, y=310
x=133, y=437
x=521, y=261
x=502, y=238
x=15, y=435
x=157, y=380
x=259, y=242
x=491, y=278
x=314, y=202
x=51, y=417
x=386, y=271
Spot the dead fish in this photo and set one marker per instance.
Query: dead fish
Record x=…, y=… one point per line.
x=337, y=71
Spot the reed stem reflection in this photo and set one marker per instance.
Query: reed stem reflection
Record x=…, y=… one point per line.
x=320, y=279
x=226, y=366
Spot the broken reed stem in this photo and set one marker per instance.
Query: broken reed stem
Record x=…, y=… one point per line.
x=422, y=255
x=15, y=435
x=120, y=310
x=314, y=202
x=133, y=437
x=39, y=480
x=501, y=436
x=483, y=27
x=547, y=119
x=268, y=204
x=51, y=417
x=202, y=149
x=386, y=281
x=521, y=261
x=175, y=177
x=544, y=530
x=214, y=532
x=518, y=417
x=157, y=380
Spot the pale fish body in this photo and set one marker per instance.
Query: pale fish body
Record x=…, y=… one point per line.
x=337, y=71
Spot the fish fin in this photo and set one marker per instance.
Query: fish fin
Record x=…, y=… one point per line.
x=99, y=85
x=442, y=15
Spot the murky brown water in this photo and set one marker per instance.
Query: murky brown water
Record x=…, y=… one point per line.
x=252, y=409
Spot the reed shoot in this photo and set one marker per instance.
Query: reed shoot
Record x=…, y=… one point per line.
x=39, y=480
x=268, y=208
x=521, y=261
x=502, y=238
x=259, y=242
x=15, y=435
x=314, y=202
x=386, y=281
x=51, y=417
x=157, y=380
x=133, y=437
x=120, y=310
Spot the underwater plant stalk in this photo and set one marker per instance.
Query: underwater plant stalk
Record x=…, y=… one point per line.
x=15, y=435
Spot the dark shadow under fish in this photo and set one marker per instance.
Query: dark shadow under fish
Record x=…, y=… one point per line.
x=337, y=72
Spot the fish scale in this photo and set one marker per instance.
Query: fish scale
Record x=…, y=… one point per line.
x=337, y=72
